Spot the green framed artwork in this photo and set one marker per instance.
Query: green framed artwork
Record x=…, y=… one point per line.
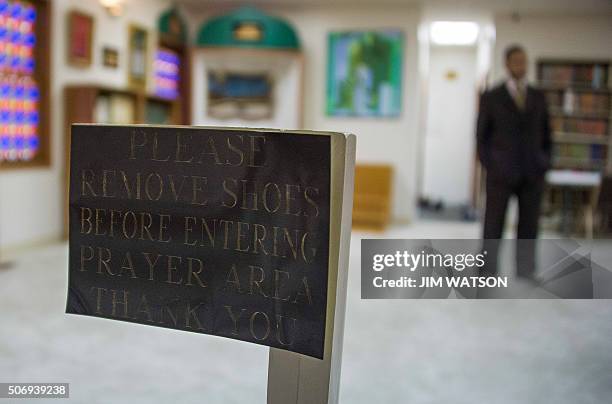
x=364, y=73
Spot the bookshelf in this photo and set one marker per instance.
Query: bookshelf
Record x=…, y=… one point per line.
x=579, y=101
x=580, y=107
x=99, y=104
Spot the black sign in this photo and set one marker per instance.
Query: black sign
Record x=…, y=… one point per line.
x=216, y=231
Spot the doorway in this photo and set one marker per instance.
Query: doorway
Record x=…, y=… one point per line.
x=449, y=144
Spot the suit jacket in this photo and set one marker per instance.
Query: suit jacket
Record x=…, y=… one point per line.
x=513, y=144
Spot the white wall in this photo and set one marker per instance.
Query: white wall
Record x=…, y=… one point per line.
x=553, y=37
x=379, y=140
x=31, y=200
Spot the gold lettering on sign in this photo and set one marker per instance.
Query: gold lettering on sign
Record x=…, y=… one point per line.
x=235, y=318
x=176, y=202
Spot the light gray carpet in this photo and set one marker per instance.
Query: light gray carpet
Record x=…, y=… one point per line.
x=415, y=351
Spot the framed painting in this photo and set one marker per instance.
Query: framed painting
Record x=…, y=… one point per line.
x=233, y=95
x=110, y=57
x=364, y=73
x=80, y=38
x=138, y=57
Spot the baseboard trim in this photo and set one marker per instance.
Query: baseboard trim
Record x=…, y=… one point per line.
x=11, y=250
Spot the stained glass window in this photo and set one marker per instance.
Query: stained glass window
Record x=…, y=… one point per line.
x=167, y=73
x=19, y=92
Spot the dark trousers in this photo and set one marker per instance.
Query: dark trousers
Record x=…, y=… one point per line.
x=498, y=193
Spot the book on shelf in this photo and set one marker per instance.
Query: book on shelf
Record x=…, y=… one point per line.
x=554, y=98
x=583, y=74
x=122, y=109
x=114, y=109
x=598, y=76
x=598, y=152
x=587, y=126
x=593, y=103
x=102, y=109
x=571, y=102
x=560, y=75
x=158, y=113
x=579, y=151
x=579, y=74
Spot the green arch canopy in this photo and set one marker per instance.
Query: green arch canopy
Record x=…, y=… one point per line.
x=248, y=27
x=172, y=26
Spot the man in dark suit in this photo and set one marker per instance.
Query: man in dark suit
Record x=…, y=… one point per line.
x=514, y=146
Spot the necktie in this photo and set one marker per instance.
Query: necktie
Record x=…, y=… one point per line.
x=519, y=97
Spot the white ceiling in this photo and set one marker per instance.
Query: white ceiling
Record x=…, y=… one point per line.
x=551, y=7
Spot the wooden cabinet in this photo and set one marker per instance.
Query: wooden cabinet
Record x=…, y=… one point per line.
x=372, y=198
x=96, y=104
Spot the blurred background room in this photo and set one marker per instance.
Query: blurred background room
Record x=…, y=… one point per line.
x=405, y=76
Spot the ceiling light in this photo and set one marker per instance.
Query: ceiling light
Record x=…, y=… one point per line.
x=114, y=7
x=453, y=32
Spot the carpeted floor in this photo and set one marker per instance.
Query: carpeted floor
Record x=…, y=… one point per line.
x=413, y=351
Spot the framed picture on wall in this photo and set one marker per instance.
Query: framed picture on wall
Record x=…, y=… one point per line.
x=110, y=57
x=138, y=57
x=364, y=73
x=233, y=95
x=80, y=38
